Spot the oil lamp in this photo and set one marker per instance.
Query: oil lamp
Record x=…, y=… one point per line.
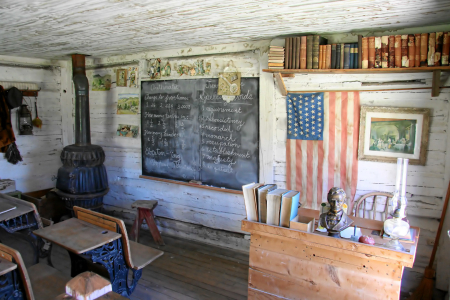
x=25, y=122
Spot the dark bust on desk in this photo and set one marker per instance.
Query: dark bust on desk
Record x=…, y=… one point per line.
x=335, y=220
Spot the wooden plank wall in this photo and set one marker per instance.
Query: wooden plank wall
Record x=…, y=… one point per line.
x=40, y=152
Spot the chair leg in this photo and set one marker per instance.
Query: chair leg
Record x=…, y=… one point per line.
x=136, y=226
x=149, y=218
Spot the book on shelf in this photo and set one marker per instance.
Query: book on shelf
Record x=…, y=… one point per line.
x=438, y=48
x=297, y=53
x=431, y=48
x=347, y=56
x=333, y=56
x=309, y=51
x=287, y=45
x=424, y=49
x=320, y=56
x=276, y=64
x=317, y=41
x=371, y=48
x=274, y=206
x=360, y=51
x=377, y=52
x=391, y=51
x=338, y=56
x=251, y=205
x=365, y=53
x=303, y=52
x=398, y=51
x=291, y=53
x=385, y=51
x=290, y=202
x=352, y=57
x=411, y=51
x=327, y=56
x=417, y=50
x=341, y=64
x=404, y=51
x=261, y=196
x=276, y=61
x=356, y=56
x=445, y=49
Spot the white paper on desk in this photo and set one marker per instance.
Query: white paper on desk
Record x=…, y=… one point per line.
x=347, y=233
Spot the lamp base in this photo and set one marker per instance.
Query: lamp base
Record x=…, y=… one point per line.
x=394, y=244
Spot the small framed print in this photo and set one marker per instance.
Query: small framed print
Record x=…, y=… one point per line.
x=121, y=79
x=388, y=133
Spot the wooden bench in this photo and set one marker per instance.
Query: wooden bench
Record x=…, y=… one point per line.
x=40, y=281
x=136, y=255
x=145, y=211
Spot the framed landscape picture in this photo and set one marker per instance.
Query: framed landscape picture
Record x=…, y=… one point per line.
x=387, y=133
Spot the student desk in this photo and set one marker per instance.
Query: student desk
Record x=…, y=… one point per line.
x=291, y=264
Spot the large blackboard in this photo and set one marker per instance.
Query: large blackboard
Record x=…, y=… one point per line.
x=190, y=133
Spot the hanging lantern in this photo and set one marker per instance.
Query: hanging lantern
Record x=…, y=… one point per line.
x=25, y=121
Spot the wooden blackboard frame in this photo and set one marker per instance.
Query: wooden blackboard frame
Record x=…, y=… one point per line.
x=207, y=186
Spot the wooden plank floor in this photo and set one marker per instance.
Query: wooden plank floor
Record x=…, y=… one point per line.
x=188, y=270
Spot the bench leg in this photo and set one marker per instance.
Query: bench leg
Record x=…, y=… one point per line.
x=136, y=226
x=149, y=218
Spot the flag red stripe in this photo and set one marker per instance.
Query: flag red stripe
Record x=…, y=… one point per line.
x=343, y=170
x=309, y=172
x=331, y=137
x=356, y=111
x=298, y=170
x=319, y=172
x=288, y=163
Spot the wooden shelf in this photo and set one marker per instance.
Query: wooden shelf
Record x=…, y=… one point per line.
x=280, y=73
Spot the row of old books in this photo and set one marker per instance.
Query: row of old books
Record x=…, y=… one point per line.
x=338, y=56
x=265, y=203
x=276, y=57
x=405, y=51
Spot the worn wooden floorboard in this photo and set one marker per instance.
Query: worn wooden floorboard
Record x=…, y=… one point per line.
x=188, y=270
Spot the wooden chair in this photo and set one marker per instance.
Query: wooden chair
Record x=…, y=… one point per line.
x=40, y=281
x=136, y=255
x=376, y=197
x=145, y=211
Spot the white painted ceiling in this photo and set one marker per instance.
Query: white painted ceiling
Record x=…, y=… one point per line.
x=56, y=28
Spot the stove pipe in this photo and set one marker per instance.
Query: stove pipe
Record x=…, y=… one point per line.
x=82, y=180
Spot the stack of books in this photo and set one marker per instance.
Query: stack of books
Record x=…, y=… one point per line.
x=276, y=57
x=265, y=203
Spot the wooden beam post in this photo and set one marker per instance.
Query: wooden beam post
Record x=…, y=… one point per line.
x=280, y=83
x=436, y=83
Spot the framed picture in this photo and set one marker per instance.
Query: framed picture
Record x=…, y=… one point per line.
x=121, y=79
x=387, y=133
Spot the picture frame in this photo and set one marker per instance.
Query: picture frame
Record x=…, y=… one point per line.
x=121, y=77
x=387, y=133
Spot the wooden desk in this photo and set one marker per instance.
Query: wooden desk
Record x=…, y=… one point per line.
x=291, y=264
x=77, y=236
x=6, y=266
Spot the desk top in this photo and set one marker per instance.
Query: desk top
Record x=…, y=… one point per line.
x=77, y=236
x=22, y=207
x=6, y=266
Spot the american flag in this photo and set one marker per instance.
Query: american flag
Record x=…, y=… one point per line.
x=323, y=151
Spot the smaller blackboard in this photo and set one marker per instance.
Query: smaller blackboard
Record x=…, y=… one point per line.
x=191, y=133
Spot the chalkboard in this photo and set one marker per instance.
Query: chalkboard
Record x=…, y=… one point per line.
x=190, y=133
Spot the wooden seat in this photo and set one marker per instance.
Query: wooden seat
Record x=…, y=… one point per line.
x=377, y=197
x=40, y=281
x=137, y=256
x=145, y=211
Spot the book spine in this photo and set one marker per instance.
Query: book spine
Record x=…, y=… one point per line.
x=424, y=49
x=292, y=54
x=398, y=51
x=411, y=51
x=320, y=56
x=328, y=57
x=365, y=53
x=324, y=57
x=445, y=49
x=315, y=52
x=438, y=48
x=378, y=52
x=287, y=45
x=333, y=56
x=360, y=37
x=431, y=48
x=404, y=49
x=371, y=52
x=309, y=52
x=303, y=52
x=342, y=56
x=417, y=50
x=385, y=51
x=391, y=51
x=338, y=56
x=356, y=57
x=352, y=54
x=276, y=64
x=347, y=56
